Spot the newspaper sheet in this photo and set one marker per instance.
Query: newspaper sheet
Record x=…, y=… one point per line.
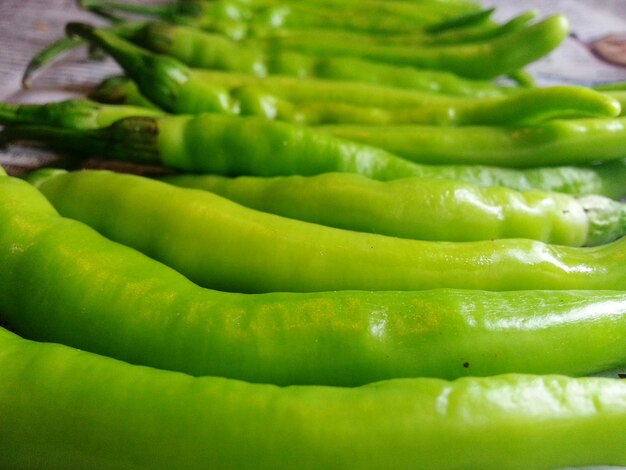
x=28, y=25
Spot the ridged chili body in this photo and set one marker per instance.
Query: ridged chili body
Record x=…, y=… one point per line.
x=62, y=408
x=222, y=245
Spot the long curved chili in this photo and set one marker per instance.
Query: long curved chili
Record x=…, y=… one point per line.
x=423, y=209
x=232, y=145
x=174, y=87
x=220, y=244
x=62, y=282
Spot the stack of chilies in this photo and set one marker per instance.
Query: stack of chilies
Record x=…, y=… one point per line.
x=364, y=253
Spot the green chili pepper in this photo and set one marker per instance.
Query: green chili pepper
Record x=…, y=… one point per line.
x=230, y=145
x=220, y=244
x=327, y=39
x=67, y=409
x=484, y=59
x=200, y=49
x=423, y=209
x=253, y=146
x=618, y=86
x=74, y=114
x=411, y=38
x=114, y=301
x=620, y=97
x=370, y=17
x=120, y=90
x=557, y=142
x=477, y=60
x=178, y=89
x=465, y=35
x=307, y=107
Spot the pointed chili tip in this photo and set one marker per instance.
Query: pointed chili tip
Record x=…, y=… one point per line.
x=46, y=57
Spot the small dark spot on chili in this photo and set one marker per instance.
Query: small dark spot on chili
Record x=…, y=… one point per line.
x=466, y=364
x=622, y=376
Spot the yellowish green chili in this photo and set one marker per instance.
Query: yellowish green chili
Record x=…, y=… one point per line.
x=223, y=245
x=63, y=282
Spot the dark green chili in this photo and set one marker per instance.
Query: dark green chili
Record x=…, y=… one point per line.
x=424, y=209
x=220, y=244
x=63, y=282
x=230, y=145
x=67, y=409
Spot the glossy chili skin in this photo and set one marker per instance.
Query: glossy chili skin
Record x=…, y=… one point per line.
x=178, y=89
x=232, y=145
x=222, y=245
x=73, y=114
x=68, y=409
x=114, y=301
x=423, y=209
